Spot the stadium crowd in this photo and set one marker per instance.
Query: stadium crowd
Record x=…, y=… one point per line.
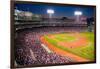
x=28, y=49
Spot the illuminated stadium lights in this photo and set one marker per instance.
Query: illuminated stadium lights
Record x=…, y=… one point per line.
x=50, y=12
x=77, y=13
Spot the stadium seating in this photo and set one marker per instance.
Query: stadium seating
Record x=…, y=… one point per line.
x=28, y=49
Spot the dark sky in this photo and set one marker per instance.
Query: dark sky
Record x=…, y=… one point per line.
x=59, y=10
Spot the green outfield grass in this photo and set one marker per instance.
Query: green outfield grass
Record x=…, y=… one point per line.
x=82, y=51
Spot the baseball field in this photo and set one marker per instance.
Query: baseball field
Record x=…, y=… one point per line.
x=76, y=45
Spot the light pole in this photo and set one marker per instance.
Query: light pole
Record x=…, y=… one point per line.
x=50, y=12
x=77, y=14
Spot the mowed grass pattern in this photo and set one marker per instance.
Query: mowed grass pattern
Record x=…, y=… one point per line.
x=62, y=37
x=82, y=51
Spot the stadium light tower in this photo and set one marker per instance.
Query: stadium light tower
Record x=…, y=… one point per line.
x=50, y=12
x=77, y=14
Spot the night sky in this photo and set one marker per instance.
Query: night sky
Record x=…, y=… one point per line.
x=65, y=11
